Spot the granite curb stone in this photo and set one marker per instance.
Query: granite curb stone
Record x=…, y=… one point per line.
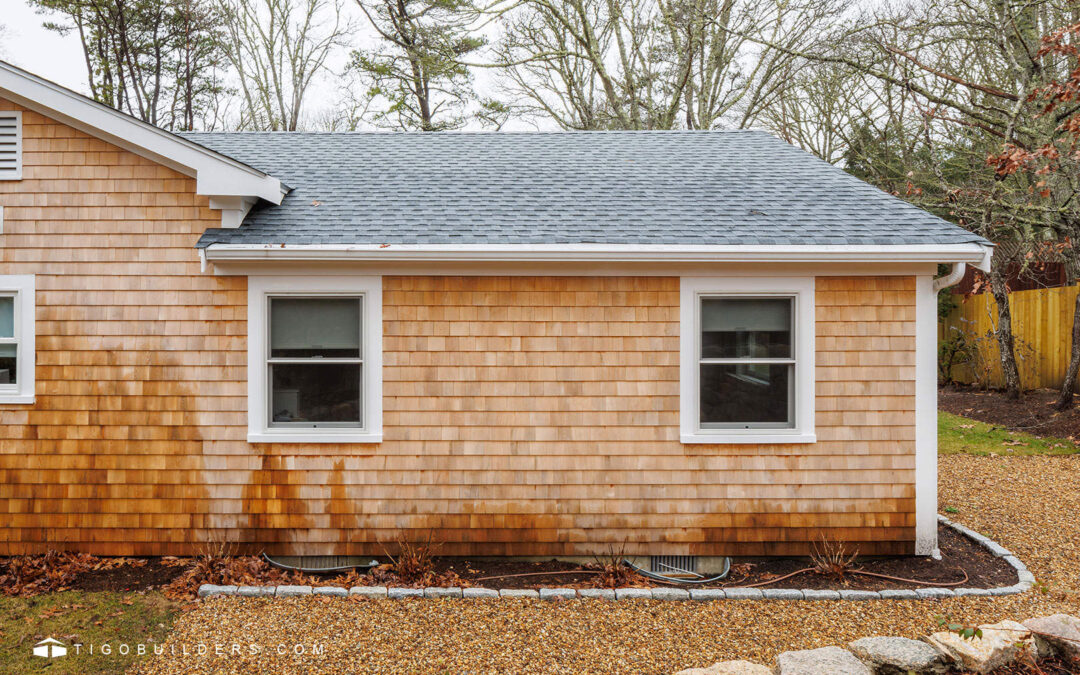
x=208, y=590
x=292, y=591
x=597, y=593
x=255, y=591
x=935, y=593
x=859, y=595
x=368, y=591
x=898, y=594
x=333, y=591
x=670, y=594
x=704, y=594
x=744, y=593
x=783, y=594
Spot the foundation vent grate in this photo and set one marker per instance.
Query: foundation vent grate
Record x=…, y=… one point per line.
x=673, y=564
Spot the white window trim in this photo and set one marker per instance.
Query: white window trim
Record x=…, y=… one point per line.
x=691, y=290
x=259, y=288
x=22, y=287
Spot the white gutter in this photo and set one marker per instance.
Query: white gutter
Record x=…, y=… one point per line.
x=975, y=254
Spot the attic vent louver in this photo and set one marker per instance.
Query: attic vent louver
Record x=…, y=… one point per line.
x=11, y=163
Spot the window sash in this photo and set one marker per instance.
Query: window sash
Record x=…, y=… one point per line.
x=270, y=361
x=792, y=413
x=14, y=340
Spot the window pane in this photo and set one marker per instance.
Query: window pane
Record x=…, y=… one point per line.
x=751, y=394
x=8, y=360
x=7, y=316
x=303, y=392
x=745, y=328
x=314, y=327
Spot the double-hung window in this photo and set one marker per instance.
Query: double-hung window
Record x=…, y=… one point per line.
x=746, y=355
x=17, y=338
x=315, y=352
x=316, y=363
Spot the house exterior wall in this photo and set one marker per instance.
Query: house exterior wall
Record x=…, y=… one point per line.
x=528, y=415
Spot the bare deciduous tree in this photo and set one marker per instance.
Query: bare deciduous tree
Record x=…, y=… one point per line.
x=965, y=74
x=652, y=64
x=158, y=60
x=278, y=48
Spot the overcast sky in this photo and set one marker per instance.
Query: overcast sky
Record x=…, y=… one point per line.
x=30, y=47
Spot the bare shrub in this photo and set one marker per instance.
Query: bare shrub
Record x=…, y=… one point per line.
x=613, y=573
x=831, y=558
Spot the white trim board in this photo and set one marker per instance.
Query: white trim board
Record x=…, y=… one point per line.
x=215, y=174
x=23, y=286
x=259, y=287
x=926, y=441
x=802, y=289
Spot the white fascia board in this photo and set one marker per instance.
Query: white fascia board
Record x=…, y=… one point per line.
x=215, y=174
x=975, y=254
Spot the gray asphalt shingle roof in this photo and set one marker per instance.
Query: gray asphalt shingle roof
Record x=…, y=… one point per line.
x=678, y=188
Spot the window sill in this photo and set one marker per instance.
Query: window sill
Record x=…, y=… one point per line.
x=312, y=437
x=17, y=399
x=748, y=439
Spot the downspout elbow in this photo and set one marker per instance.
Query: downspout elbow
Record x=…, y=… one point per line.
x=952, y=278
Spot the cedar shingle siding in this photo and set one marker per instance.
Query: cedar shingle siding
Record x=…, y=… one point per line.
x=523, y=415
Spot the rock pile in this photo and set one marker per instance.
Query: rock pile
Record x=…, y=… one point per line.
x=1000, y=644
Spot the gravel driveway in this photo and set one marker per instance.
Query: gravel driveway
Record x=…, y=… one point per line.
x=1029, y=504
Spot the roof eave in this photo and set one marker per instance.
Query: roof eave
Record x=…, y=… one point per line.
x=971, y=253
x=215, y=174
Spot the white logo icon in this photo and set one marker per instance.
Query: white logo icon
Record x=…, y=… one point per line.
x=50, y=648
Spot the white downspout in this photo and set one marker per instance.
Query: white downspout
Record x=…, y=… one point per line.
x=952, y=278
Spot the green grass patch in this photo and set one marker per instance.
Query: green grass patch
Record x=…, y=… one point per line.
x=959, y=435
x=97, y=619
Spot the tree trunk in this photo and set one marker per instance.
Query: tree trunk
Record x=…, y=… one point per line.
x=1065, y=399
x=1009, y=369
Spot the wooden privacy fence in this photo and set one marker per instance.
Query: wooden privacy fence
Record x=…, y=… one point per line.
x=1042, y=324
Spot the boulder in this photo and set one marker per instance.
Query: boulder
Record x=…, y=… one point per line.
x=899, y=656
x=729, y=668
x=1057, y=635
x=831, y=660
x=1001, y=644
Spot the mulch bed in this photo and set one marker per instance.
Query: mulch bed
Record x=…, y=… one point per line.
x=957, y=553
x=1032, y=413
x=960, y=555
x=153, y=575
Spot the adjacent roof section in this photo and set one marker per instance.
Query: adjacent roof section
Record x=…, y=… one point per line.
x=216, y=175
x=613, y=188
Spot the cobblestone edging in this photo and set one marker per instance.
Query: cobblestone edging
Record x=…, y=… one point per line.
x=1026, y=580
